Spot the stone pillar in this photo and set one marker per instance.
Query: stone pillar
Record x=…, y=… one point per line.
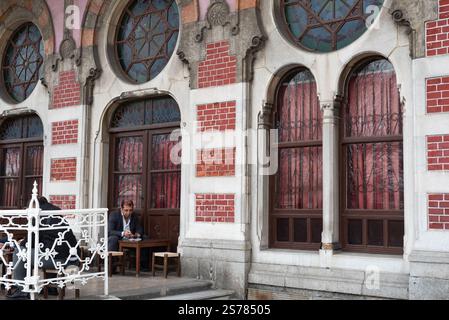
x=331, y=119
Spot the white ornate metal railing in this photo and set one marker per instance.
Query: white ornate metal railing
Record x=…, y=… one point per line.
x=45, y=233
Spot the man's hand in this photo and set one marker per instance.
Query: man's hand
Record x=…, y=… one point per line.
x=128, y=234
x=1, y=245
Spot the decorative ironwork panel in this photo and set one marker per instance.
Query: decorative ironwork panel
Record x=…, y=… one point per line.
x=54, y=241
x=22, y=62
x=164, y=110
x=374, y=108
x=25, y=127
x=146, y=37
x=300, y=179
x=299, y=114
x=328, y=25
x=375, y=176
x=145, y=113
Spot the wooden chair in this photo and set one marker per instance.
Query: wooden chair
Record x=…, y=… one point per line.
x=111, y=256
x=53, y=273
x=166, y=256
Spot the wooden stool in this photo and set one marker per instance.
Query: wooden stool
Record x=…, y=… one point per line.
x=61, y=291
x=166, y=256
x=113, y=254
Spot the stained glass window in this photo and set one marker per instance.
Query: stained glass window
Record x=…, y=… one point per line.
x=328, y=25
x=146, y=38
x=22, y=62
x=21, y=128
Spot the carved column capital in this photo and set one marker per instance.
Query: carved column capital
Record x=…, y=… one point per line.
x=265, y=118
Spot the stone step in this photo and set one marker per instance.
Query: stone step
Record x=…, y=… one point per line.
x=200, y=295
x=172, y=289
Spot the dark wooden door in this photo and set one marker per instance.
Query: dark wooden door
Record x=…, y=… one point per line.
x=20, y=165
x=142, y=171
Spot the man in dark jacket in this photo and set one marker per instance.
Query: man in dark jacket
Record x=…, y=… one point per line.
x=47, y=238
x=123, y=224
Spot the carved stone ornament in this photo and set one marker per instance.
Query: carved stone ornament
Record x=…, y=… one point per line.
x=218, y=13
x=94, y=74
x=257, y=43
x=265, y=120
x=67, y=47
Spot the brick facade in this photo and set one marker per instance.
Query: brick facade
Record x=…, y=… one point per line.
x=438, y=153
x=215, y=162
x=218, y=116
x=66, y=202
x=68, y=92
x=437, y=32
x=215, y=208
x=219, y=68
x=439, y=211
x=63, y=169
x=437, y=94
x=65, y=132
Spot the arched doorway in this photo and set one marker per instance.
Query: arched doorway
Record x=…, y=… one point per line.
x=21, y=160
x=141, y=168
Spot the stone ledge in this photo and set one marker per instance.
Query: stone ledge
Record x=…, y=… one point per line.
x=343, y=281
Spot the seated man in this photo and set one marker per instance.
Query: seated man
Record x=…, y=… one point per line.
x=123, y=225
x=47, y=238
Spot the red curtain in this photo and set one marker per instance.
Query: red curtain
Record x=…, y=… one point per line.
x=374, y=168
x=11, y=172
x=300, y=168
x=129, y=165
x=166, y=181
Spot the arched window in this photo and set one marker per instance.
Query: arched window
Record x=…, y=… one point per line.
x=146, y=38
x=297, y=188
x=141, y=167
x=21, y=160
x=372, y=150
x=22, y=62
x=327, y=25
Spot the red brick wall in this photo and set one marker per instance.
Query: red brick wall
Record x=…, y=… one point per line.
x=439, y=211
x=219, y=68
x=219, y=116
x=68, y=91
x=67, y=202
x=438, y=95
x=437, y=32
x=63, y=169
x=215, y=208
x=215, y=162
x=65, y=132
x=438, y=153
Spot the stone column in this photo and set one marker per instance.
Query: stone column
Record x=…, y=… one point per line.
x=331, y=119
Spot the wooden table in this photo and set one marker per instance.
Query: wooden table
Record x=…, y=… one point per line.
x=143, y=244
